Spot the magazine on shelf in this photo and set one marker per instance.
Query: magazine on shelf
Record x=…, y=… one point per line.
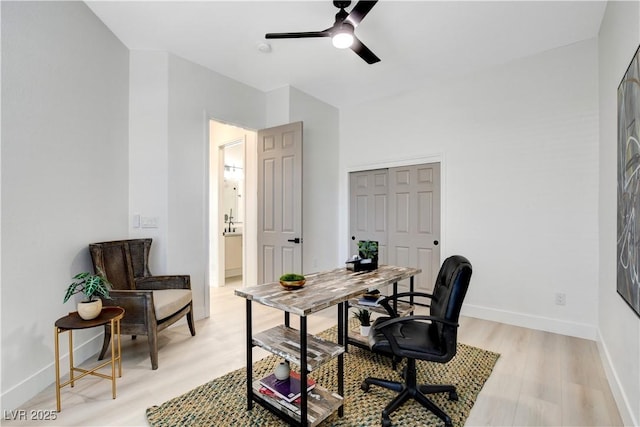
x=288, y=389
x=370, y=302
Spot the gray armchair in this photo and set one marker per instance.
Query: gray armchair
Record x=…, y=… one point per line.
x=151, y=303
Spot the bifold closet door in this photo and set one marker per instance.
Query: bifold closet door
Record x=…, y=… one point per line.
x=414, y=222
x=368, y=210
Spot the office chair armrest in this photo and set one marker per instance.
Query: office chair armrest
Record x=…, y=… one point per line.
x=383, y=325
x=156, y=283
x=392, y=313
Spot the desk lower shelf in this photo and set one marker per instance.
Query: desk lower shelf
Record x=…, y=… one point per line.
x=320, y=404
x=285, y=342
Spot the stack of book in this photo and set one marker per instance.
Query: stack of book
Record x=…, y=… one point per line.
x=288, y=389
x=369, y=301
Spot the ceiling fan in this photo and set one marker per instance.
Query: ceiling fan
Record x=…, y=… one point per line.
x=342, y=31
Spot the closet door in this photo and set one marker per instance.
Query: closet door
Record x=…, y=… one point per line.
x=414, y=222
x=368, y=210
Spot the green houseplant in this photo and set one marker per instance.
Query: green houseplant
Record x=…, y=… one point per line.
x=368, y=249
x=92, y=286
x=364, y=317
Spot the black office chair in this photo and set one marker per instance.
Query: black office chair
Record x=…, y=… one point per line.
x=432, y=338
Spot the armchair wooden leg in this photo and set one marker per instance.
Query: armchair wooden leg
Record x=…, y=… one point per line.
x=105, y=342
x=192, y=327
x=153, y=348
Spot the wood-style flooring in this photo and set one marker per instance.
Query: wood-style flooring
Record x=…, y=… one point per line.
x=540, y=379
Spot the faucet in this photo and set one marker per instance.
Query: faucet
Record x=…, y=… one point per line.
x=230, y=219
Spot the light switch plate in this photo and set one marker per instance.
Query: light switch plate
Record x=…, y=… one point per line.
x=149, y=222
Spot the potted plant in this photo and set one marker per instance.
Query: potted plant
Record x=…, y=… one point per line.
x=92, y=286
x=292, y=281
x=364, y=317
x=368, y=252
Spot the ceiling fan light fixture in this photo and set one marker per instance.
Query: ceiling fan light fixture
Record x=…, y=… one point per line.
x=342, y=38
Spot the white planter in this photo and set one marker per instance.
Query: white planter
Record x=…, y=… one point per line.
x=364, y=330
x=90, y=310
x=282, y=371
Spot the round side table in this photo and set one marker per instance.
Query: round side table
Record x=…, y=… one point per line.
x=108, y=315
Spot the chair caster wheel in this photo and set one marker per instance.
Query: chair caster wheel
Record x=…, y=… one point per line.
x=364, y=386
x=386, y=422
x=453, y=396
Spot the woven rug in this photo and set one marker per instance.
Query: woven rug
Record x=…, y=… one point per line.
x=223, y=401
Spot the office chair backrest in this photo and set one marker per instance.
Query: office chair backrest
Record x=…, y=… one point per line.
x=122, y=261
x=449, y=292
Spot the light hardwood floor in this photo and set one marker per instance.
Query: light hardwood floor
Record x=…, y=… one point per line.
x=540, y=379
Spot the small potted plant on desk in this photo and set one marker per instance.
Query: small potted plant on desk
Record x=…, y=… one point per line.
x=92, y=286
x=367, y=258
x=364, y=317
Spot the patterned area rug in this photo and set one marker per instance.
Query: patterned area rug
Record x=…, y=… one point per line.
x=223, y=401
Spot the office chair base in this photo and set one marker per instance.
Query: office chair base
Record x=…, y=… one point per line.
x=412, y=391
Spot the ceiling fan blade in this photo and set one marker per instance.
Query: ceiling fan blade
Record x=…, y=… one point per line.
x=364, y=52
x=359, y=11
x=307, y=34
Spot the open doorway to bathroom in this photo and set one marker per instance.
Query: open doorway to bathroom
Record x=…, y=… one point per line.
x=232, y=214
x=233, y=208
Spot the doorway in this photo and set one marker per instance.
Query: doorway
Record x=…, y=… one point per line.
x=232, y=204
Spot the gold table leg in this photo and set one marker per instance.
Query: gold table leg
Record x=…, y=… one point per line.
x=57, y=351
x=71, y=377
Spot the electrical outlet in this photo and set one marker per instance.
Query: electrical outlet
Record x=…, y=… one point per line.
x=561, y=298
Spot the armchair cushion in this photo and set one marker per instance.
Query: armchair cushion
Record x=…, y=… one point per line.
x=167, y=302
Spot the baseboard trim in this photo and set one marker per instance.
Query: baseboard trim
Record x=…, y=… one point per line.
x=45, y=377
x=557, y=326
x=624, y=407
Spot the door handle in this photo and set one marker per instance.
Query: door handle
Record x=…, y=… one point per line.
x=296, y=240
x=435, y=242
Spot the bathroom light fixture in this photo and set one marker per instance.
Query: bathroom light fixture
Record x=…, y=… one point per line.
x=342, y=38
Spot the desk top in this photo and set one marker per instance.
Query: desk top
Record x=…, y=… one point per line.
x=74, y=321
x=325, y=289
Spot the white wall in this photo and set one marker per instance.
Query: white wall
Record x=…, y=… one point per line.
x=619, y=327
x=64, y=175
x=196, y=95
x=320, y=180
x=519, y=147
x=148, y=151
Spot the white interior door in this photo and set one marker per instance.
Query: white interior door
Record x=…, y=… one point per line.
x=279, y=201
x=368, y=207
x=414, y=222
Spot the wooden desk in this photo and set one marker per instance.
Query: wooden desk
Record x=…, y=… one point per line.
x=322, y=290
x=111, y=315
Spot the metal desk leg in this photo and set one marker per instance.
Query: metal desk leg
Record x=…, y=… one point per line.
x=411, y=290
x=395, y=300
x=343, y=331
x=249, y=356
x=303, y=372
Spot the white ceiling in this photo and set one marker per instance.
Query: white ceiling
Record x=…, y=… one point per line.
x=415, y=40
